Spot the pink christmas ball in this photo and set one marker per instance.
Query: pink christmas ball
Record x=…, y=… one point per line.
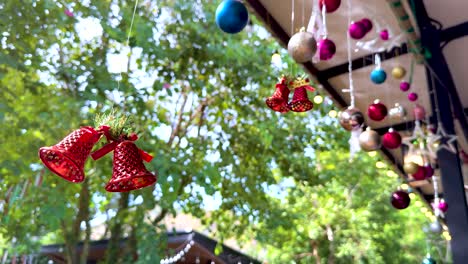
x=391, y=139
x=326, y=49
x=412, y=97
x=330, y=5
x=419, y=112
x=420, y=174
x=377, y=111
x=400, y=199
x=357, y=30
x=443, y=206
x=367, y=23
x=404, y=86
x=384, y=35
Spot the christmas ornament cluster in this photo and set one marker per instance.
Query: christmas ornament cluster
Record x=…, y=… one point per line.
x=68, y=157
x=279, y=101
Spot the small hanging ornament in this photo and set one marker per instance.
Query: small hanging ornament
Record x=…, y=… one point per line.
x=326, y=49
x=330, y=5
x=279, y=100
x=400, y=199
x=377, y=111
x=351, y=118
x=232, y=16
x=300, y=101
x=405, y=86
x=429, y=171
x=435, y=227
x=413, y=97
x=419, y=112
x=367, y=24
x=378, y=76
x=384, y=35
x=391, y=139
x=410, y=167
x=398, y=72
x=302, y=46
x=357, y=30
x=369, y=140
x=420, y=174
x=68, y=157
x=428, y=260
x=442, y=206
x=397, y=112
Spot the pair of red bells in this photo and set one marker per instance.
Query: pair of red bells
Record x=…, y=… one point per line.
x=68, y=157
x=300, y=102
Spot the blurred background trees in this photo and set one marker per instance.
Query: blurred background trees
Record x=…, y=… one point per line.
x=197, y=98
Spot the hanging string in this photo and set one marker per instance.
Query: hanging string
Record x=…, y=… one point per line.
x=127, y=44
x=303, y=15
x=350, y=61
x=324, y=21
x=292, y=17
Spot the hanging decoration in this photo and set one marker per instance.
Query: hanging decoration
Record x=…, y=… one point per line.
x=377, y=111
x=398, y=72
x=405, y=86
x=300, y=101
x=369, y=140
x=397, y=112
x=378, y=75
x=326, y=47
x=302, y=46
x=391, y=139
x=67, y=158
x=330, y=5
x=413, y=97
x=410, y=167
x=232, y=16
x=442, y=206
x=384, y=35
x=400, y=199
x=351, y=119
x=279, y=100
x=357, y=30
x=367, y=23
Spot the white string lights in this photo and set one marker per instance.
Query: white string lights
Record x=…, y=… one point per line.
x=179, y=255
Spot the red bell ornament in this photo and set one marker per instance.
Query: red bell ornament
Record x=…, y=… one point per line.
x=300, y=101
x=129, y=172
x=279, y=100
x=68, y=157
x=391, y=139
x=377, y=111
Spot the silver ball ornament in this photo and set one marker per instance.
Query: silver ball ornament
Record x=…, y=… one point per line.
x=369, y=140
x=302, y=46
x=435, y=227
x=351, y=118
x=397, y=112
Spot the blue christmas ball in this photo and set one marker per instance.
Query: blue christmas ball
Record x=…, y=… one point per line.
x=232, y=16
x=378, y=76
x=429, y=260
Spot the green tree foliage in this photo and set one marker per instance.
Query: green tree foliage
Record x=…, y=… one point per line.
x=196, y=96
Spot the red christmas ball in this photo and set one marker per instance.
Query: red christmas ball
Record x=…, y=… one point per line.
x=326, y=49
x=367, y=23
x=330, y=5
x=412, y=97
x=443, y=206
x=420, y=174
x=357, y=30
x=400, y=199
x=391, y=139
x=429, y=171
x=377, y=111
x=405, y=86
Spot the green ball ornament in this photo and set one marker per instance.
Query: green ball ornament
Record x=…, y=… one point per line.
x=410, y=167
x=428, y=260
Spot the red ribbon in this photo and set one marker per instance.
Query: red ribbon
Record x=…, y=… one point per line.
x=113, y=144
